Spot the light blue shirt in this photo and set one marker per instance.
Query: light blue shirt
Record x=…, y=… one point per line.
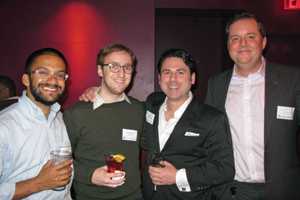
x=26, y=139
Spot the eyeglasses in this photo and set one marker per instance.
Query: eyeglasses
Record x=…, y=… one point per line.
x=115, y=68
x=44, y=73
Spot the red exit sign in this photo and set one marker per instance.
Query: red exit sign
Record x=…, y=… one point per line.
x=292, y=4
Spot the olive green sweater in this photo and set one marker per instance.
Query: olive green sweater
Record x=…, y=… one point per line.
x=94, y=133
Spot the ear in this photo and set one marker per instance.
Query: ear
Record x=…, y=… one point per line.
x=264, y=42
x=100, y=70
x=159, y=79
x=193, y=78
x=5, y=92
x=25, y=80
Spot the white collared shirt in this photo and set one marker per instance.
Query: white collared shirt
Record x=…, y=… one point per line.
x=26, y=139
x=165, y=129
x=245, y=105
x=99, y=101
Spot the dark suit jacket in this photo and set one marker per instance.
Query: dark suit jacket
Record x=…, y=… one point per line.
x=208, y=158
x=282, y=88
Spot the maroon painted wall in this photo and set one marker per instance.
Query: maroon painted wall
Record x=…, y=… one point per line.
x=79, y=29
x=278, y=20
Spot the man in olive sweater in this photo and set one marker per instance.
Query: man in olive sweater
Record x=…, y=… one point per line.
x=111, y=124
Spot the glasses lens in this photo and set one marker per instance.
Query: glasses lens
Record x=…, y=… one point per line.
x=128, y=69
x=43, y=73
x=114, y=68
x=61, y=76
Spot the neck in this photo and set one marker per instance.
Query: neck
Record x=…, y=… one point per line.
x=43, y=107
x=172, y=106
x=246, y=70
x=108, y=96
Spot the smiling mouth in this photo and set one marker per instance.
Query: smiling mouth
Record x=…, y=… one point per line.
x=51, y=88
x=173, y=87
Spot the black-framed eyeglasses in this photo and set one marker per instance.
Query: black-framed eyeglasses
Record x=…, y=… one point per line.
x=115, y=68
x=44, y=73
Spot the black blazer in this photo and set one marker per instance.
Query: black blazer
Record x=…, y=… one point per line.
x=207, y=157
x=282, y=88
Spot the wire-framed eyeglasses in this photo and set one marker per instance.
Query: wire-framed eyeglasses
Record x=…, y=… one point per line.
x=115, y=68
x=44, y=73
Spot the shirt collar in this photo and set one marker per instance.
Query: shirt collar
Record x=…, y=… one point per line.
x=261, y=71
x=32, y=111
x=99, y=101
x=182, y=108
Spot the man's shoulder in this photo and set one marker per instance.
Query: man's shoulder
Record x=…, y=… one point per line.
x=200, y=107
x=156, y=96
x=10, y=111
x=80, y=106
x=285, y=73
x=134, y=101
x=220, y=77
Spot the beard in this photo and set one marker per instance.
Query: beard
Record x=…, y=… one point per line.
x=39, y=97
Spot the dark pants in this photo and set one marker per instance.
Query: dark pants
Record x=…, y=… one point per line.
x=245, y=191
x=141, y=197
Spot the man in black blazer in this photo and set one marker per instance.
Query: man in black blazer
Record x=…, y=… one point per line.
x=190, y=135
x=261, y=101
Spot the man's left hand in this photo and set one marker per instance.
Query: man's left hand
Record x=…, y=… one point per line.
x=163, y=176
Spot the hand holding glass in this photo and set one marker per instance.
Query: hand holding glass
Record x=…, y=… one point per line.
x=156, y=159
x=57, y=157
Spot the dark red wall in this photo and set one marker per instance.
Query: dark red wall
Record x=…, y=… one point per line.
x=80, y=28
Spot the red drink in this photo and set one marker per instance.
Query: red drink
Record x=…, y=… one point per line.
x=113, y=165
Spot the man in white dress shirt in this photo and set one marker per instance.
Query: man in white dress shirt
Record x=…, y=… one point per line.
x=33, y=127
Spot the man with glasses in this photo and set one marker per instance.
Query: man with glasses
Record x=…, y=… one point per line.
x=33, y=127
x=111, y=124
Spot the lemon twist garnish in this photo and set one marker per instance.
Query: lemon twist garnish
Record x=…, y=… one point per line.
x=118, y=157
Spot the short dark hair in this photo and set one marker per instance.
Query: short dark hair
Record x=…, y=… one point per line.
x=46, y=51
x=114, y=48
x=177, y=53
x=244, y=15
x=6, y=82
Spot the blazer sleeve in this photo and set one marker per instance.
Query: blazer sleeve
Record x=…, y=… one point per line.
x=219, y=166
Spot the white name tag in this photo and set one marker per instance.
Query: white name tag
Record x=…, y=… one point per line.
x=150, y=117
x=284, y=112
x=129, y=135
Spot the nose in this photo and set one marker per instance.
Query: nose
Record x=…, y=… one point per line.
x=121, y=72
x=173, y=77
x=243, y=42
x=52, y=78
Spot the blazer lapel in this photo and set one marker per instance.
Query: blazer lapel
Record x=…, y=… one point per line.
x=272, y=85
x=181, y=125
x=155, y=110
x=222, y=91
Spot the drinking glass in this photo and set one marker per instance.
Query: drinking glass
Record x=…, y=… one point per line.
x=57, y=157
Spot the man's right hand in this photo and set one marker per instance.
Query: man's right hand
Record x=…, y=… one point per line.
x=102, y=177
x=48, y=178
x=54, y=176
x=88, y=95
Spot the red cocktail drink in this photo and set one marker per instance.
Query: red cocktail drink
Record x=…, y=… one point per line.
x=113, y=165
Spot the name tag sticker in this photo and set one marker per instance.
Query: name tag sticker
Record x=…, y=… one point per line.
x=129, y=135
x=284, y=112
x=150, y=117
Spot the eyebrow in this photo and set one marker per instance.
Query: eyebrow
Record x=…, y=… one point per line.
x=46, y=68
x=116, y=63
x=171, y=70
